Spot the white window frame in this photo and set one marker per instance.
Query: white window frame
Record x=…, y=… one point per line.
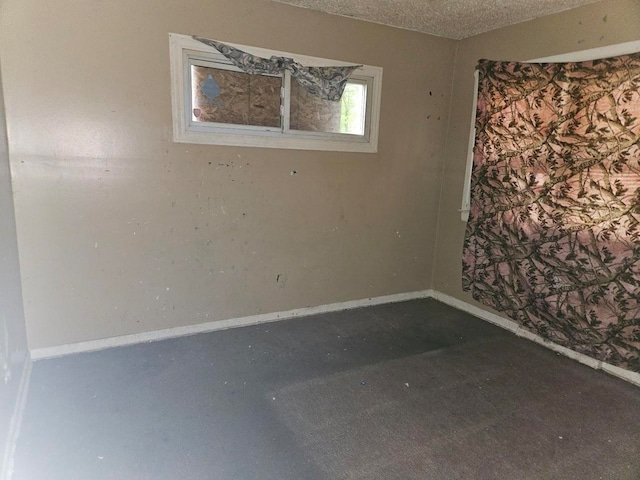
x=184, y=51
x=579, y=56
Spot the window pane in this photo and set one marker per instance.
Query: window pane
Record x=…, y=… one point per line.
x=353, y=107
x=224, y=96
x=313, y=114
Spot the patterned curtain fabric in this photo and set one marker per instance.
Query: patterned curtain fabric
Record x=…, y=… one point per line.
x=325, y=82
x=553, y=238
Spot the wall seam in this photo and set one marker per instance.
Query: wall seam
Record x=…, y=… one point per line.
x=13, y=201
x=443, y=168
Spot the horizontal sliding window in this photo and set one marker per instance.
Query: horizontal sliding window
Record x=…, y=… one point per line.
x=215, y=102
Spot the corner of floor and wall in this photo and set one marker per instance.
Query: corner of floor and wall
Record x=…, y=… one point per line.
x=124, y=236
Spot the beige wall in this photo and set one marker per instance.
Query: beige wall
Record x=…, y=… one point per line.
x=596, y=25
x=13, y=341
x=122, y=231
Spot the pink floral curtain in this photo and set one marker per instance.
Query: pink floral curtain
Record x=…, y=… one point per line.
x=553, y=238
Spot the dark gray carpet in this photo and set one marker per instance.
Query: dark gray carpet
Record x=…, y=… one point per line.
x=413, y=390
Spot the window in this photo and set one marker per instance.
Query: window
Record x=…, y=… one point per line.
x=216, y=103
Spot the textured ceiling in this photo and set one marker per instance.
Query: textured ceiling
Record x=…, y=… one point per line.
x=446, y=18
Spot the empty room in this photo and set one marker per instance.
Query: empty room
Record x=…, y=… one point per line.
x=312, y=239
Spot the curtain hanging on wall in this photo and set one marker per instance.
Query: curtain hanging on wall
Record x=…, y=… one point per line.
x=553, y=238
x=327, y=83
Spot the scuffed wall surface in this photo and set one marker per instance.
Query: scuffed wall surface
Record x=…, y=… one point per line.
x=123, y=231
x=13, y=340
x=592, y=26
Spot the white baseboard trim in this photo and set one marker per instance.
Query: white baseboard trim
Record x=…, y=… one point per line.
x=16, y=421
x=119, y=341
x=510, y=325
x=631, y=377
